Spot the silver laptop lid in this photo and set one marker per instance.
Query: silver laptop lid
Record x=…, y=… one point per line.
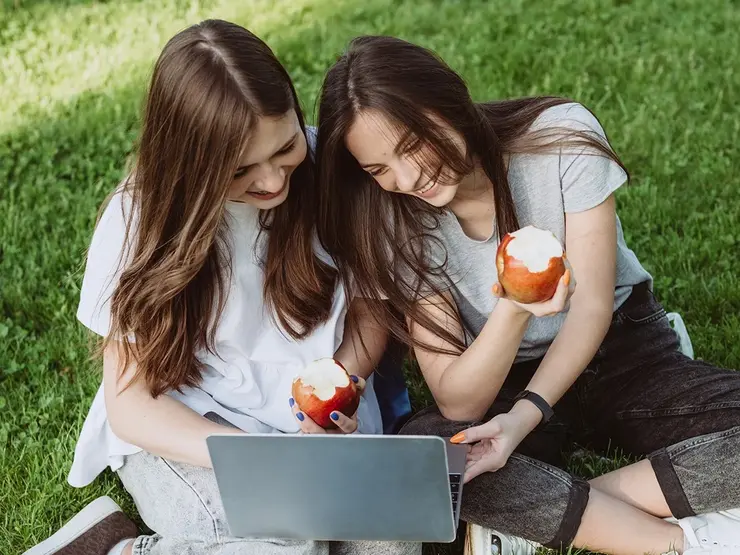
x=335, y=487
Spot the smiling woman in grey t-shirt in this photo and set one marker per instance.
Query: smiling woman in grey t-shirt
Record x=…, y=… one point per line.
x=544, y=188
x=419, y=185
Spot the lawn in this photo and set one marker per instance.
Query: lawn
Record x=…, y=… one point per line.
x=662, y=77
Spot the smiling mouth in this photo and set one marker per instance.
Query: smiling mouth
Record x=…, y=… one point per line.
x=426, y=189
x=265, y=195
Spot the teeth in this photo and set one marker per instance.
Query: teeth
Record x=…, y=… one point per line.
x=427, y=188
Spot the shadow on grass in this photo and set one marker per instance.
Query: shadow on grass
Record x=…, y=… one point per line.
x=14, y=11
x=15, y=6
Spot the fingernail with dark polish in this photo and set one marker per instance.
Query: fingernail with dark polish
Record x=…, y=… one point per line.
x=334, y=416
x=355, y=379
x=299, y=416
x=291, y=402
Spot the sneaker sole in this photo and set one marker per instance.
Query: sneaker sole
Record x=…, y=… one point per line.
x=478, y=542
x=93, y=514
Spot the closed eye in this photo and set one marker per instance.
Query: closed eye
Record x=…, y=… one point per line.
x=376, y=171
x=287, y=148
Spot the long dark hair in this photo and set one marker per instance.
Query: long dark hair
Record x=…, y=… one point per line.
x=210, y=84
x=381, y=241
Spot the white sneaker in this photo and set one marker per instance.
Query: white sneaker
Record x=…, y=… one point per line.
x=678, y=325
x=712, y=533
x=95, y=530
x=484, y=541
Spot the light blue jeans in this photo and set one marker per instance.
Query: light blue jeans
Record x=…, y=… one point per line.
x=181, y=503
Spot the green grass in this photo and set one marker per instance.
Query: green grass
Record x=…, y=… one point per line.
x=661, y=76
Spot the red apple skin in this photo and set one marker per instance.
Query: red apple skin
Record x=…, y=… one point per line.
x=345, y=400
x=522, y=285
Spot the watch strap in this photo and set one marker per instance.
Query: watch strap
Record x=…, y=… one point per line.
x=540, y=403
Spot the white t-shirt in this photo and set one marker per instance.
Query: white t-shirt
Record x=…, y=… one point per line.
x=250, y=384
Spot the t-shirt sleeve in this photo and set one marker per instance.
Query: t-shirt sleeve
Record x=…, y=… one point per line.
x=587, y=176
x=103, y=266
x=311, y=137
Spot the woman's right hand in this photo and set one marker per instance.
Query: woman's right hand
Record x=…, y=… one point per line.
x=557, y=303
x=346, y=424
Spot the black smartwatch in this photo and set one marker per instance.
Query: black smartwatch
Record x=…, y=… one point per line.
x=540, y=403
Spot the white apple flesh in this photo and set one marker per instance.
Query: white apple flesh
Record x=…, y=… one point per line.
x=530, y=263
x=323, y=387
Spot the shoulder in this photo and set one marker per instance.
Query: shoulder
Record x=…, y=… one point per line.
x=570, y=115
x=106, y=258
x=578, y=157
x=115, y=227
x=115, y=216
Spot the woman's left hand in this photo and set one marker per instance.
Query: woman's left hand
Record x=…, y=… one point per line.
x=493, y=443
x=559, y=302
x=345, y=424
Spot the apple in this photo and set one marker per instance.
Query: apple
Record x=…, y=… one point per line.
x=530, y=263
x=325, y=386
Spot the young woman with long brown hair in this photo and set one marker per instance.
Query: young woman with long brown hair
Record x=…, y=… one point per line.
x=419, y=185
x=210, y=292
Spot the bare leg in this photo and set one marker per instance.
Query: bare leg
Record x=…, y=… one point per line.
x=636, y=485
x=617, y=528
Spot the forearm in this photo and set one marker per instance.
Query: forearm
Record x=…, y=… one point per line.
x=363, y=345
x=568, y=355
x=470, y=384
x=571, y=351
x=591, y=243
x=164, y=427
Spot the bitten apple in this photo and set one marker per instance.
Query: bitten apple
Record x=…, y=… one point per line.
x=325, y=386
x=530, y=262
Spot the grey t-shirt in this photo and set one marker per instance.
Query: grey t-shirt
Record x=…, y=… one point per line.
x=544, y=187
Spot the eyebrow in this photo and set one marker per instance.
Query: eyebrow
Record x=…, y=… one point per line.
x=286, y=145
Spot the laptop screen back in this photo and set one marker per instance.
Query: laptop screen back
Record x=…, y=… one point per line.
x=333, y=487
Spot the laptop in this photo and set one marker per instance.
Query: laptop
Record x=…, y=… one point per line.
x=335, y=487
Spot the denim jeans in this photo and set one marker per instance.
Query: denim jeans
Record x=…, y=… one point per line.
x=182, y=505
x=390, y=388
x=639, y=394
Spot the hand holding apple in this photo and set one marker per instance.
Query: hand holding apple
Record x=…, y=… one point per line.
x=325, y=398
x=533, y=271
